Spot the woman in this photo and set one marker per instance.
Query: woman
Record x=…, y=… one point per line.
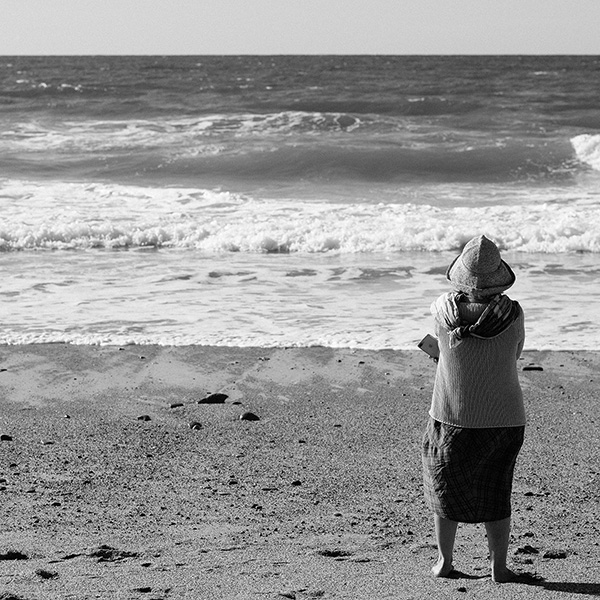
x=477, y=418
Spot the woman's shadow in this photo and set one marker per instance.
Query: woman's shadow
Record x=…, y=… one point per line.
x=590, y=589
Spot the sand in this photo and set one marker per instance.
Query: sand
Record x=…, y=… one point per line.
x=319, y=498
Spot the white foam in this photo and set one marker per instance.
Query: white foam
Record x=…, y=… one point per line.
x=362, y=301
x=170, y=134
x=71, y=215
x=587, y=148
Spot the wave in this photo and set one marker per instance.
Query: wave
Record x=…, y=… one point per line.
x=80, y=216
x=587, y=148
x=294, y=144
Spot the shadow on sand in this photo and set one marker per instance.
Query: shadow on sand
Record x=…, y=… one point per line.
x=589, y=589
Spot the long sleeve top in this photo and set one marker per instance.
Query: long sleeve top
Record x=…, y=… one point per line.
x=476, y=384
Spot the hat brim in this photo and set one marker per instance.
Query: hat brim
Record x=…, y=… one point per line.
x=464, y=280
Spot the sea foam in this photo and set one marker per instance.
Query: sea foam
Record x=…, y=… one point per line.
x=587, y=148
x=83, y=216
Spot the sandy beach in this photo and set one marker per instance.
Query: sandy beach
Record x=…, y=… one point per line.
x=117, y=482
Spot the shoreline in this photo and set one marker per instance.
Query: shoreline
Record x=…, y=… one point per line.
x=321, y=497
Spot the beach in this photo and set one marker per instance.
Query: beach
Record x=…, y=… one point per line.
x=121, y=479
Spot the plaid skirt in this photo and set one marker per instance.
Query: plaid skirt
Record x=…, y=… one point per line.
x=468, y=473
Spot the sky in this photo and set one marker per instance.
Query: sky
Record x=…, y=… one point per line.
x=43, y=27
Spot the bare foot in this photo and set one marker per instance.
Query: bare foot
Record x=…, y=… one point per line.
x=442, y=568
x=504, y=575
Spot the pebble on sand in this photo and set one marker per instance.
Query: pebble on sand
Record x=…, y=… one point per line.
x=532, y=367
x=46, y=574
x=195, y=425
x=5, y=438
x=176, y=405
x=144, y=418
x=249, y=416
x=555, y=554
x=13, y=555
x=214, y=399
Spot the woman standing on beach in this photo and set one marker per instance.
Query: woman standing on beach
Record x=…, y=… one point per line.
x=477, y=418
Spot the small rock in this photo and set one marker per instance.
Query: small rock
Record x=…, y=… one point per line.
x=461, y=589
x=46, y=574
x=66, y=416
x=527, y=549
x=47, y=442
x=5, y=438
x=144, y=418
x=13, y=555
x=214, y=399
x=195, y=425
x=143, y=590
x=533, y=367
x=249, y=416
x=106, y=553
x=334, y=553
x=296, y=482
x=176, y=405
x=555, y=554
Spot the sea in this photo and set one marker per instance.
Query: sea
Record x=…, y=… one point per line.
x=281, y=201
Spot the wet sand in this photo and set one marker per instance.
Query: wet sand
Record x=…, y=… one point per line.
x=109, y=492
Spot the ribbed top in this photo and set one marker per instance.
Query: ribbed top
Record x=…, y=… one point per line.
x=476, y=384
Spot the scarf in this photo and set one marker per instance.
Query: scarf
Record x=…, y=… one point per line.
x=498, y=315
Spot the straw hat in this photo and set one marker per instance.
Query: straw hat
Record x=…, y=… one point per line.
x=479, y=268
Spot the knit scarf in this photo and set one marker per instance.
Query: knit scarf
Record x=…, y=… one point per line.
x=499, y=314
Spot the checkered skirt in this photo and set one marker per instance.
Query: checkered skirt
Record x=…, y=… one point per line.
x=468, y=473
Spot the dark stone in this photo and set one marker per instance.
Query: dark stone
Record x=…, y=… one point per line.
x=555, y=554
x=144, y=418
x=334, y=553
x=532, y=368
x=106, y=553
x=46, y=574
x=527, y=549
x=176, y=405
x=297, y=482
x=249, y=416
x=5, y=438
x=214, y=399
x=13, y=555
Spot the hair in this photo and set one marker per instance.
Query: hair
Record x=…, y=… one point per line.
x=479, y=295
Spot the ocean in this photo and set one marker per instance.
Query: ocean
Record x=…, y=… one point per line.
x=292, y=200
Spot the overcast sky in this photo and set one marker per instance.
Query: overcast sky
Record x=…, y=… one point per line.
x=299, y=27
